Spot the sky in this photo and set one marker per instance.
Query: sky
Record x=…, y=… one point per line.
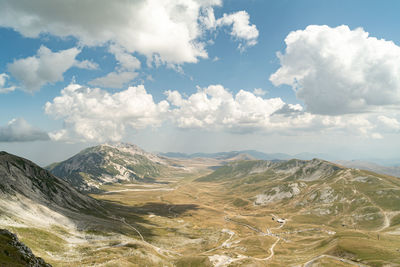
x=200, y=76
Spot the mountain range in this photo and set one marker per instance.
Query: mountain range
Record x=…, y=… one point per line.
x=251, y=153
x=388, y=168
x=150, y=210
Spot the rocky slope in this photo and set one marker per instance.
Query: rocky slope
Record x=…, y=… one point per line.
x=14, y=253
x=23, y=179
x=108, y=163
x=34, y=204
x=315, y=191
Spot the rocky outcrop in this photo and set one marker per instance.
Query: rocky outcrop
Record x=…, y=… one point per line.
x=15, y=253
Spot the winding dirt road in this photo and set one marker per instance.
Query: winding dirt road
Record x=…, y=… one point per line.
x=268, y=233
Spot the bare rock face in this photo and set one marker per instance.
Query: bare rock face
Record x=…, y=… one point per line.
x=108, y=163
x=15, y=253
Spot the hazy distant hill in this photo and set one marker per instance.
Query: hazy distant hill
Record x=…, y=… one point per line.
x=252, y=153
x=228, y=155
x=108, y=163
x=365, y=165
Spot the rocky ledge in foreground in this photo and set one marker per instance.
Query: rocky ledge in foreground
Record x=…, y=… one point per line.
x=14, y=253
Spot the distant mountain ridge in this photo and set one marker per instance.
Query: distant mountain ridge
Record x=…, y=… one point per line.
x=370, y=166
x=252, y=153
x=379, y=166
x=108, y=163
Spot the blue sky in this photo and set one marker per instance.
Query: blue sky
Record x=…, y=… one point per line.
x=200, y=70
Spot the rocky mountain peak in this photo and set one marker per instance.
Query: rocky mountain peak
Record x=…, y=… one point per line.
x=124, y=146
x=108, y=163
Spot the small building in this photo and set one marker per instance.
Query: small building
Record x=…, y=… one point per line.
x=280, y=220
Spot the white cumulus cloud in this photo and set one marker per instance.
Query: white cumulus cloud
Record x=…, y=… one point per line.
x=125, y=60
x=19, y=130
x=215, y=107
x=86, y=64
x=124, y=72
x=167, y=28
x=3, y=84
x=96, y=115
x=391, y=123
x=114, y=79
x=241, y=28
x=339, y=70
x=45, y=67
x=173, y=30
x=259, y=91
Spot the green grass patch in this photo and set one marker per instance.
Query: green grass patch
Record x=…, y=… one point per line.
x=239, y=202
x=193, y=261
x=38, y=239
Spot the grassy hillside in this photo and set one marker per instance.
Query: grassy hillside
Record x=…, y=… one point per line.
x=247, y=213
